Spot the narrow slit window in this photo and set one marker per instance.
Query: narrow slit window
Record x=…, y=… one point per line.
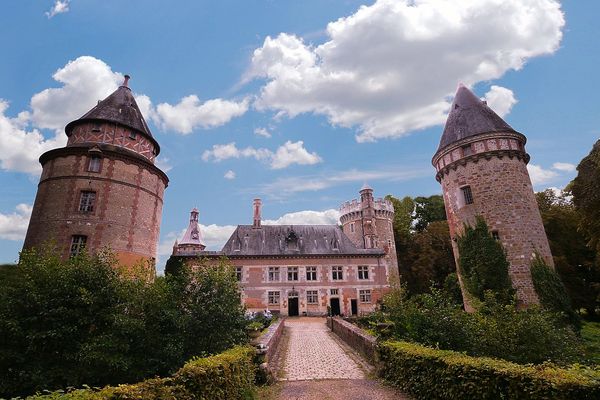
x=467, y=194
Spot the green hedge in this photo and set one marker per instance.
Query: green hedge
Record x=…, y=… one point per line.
x=228, y=375
x=428, y=373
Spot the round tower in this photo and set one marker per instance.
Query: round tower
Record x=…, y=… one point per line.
x=102, y=189
x=368, y=222
x=481, y=164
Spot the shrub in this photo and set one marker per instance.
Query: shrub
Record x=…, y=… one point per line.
x=483, y=263
x=427, y=373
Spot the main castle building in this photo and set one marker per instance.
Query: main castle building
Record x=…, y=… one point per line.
x=103, y=188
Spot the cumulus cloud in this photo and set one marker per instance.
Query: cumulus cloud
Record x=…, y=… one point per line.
x=190, y=113
x=412, y=55
x=59, y=7
x=500, y=99
x=163, y=163
x=262, y=132
x=565, y=167
x=287, y=154
x=13, y=226
x=542, y=176
x=327, y=217
x=229, y=175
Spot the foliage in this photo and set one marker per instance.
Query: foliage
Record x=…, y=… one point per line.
x=427, y=210
x=174, y=265
x=483, y=263
x=452, y=288
x=573, y=260
x=590, y=333
x=495, y=330
x=551, y=291
x=79, y=321
x=229, y=375
x=427, y=373
x=586, y=195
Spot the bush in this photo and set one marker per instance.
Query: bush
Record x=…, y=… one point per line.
x=79, y=321
x=427, y=373
x=229, y=375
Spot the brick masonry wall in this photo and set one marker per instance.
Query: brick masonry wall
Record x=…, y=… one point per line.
x=270, y=339
x=503, y=196
x=355, y=337
x=127, y=211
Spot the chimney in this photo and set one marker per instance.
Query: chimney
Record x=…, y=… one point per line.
x=257, y=207
x=126, y=81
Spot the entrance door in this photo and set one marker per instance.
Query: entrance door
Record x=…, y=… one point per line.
x=354, y=306
x=293, y=306
x=335, y=306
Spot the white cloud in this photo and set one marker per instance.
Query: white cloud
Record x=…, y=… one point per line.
x=20, y=148
x=163, y=163
x=190, y=113
x=564, y=167
x=262, y=132
x=59, y=7
x=412, y=55
x=327, y=217
x=287, y=154
x=289, y=186
x=229, y=175
x=13, y=226
x=539, y=175
x=293, y=153
x=500, y=99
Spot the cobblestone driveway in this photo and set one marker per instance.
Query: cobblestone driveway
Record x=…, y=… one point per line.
x=314, y=353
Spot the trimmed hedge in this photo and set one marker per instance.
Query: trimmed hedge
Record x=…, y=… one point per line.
x=228, y=375
x=428, y=373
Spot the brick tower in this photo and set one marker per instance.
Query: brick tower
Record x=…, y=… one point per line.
x=103, y=188
x=482, y=165
x=368, y=222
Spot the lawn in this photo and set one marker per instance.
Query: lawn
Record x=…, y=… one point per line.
x=590, y=332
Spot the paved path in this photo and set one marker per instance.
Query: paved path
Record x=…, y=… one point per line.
x=315, y=364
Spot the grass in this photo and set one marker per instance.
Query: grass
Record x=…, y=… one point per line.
x=590, y=333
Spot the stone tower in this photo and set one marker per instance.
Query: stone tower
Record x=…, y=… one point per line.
x=103, y=188
x=368, y=222
x=192, y=238
x=481, y=163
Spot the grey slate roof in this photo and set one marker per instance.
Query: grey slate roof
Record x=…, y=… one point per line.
x=271, y=240
x=470, y=116
x=119, y=107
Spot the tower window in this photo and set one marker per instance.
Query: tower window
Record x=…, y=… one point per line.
x=467, y=194
x=132, y=135
x=352, y=227
x=77, y=244
x=467, y=150
x=495, y=235
x=96, y=127
x=94, y=164
x=87, y=201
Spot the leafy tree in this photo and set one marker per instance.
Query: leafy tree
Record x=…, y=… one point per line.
x=586, y=195
x=427, y=210
x=483, y=263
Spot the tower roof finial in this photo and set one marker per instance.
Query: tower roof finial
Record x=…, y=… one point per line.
x=126, y=81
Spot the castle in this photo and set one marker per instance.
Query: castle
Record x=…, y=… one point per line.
x=103, y=189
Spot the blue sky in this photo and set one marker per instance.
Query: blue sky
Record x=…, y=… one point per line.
x=298, y=103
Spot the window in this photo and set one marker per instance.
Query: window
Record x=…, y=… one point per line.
x=337, y=273
x=467, y=194
x=238, y=273
x=273, y=297
x=495, y=235
x=467, y=150
x=352, y=227
x=96, y=127
x=363, y=272
x=312, y=297
x=364, y=295
x=77, y=244
x=273, y=274
x=292, y=273
x=311, y=273
x=390, y=242
x=87, y=201
x=132, y=135
x=334, y=292
x=94, y=164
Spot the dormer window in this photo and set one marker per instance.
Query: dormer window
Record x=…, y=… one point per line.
x=96, y=127
x=132, y=135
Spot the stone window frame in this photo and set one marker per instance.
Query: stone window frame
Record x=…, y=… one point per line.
x=334, y=292
x=78, y=243
x=313, y=273
x=239, y=273
x=94, y=164
x=273, y=274
x=337, y=273
x=87, y=201
x=496, y=235
x=363, y=272
x=467, y=194
x=292, y=274
x=352, y=227
x=364, y=295
x=273, y=297
x=312, y=297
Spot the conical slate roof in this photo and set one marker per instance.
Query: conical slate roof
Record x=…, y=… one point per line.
x=119, y=107
x=470, y=116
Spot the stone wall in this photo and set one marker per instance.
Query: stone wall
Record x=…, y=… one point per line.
x=267, y=344
x=355, y=337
